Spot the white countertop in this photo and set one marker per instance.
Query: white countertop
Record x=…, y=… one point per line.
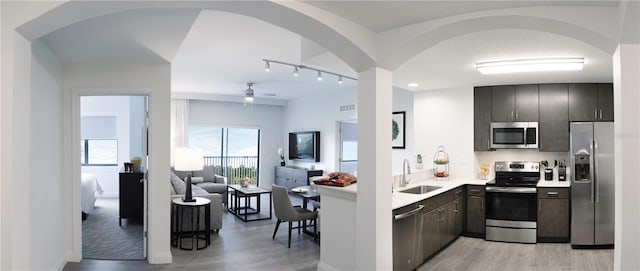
x=400, y=199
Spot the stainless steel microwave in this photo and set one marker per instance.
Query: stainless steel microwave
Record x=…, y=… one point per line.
x=514, y=135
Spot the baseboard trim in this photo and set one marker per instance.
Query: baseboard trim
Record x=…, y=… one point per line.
x=62, y=261
x=322, y=266
x=160, y=258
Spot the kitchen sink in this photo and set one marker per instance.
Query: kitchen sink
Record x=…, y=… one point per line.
x=420, y=189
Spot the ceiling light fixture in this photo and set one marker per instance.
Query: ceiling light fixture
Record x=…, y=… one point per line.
x=531, y=65
x=248, y=94
x=297, y=68
x=413, y=85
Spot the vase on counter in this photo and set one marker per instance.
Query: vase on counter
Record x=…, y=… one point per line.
x=419, y=161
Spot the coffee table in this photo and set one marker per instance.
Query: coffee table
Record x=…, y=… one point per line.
x=247, y=213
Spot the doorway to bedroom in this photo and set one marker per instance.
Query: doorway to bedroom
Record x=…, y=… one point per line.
x=113, y=132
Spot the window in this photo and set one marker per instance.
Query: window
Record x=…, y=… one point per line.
x=99, y=152
x=233, y=152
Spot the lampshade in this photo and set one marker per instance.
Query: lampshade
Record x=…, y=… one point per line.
x=188, y=159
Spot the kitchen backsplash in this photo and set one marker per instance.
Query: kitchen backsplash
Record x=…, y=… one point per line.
x=516, y=155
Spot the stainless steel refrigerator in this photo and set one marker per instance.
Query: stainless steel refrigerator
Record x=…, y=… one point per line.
x=592, y=183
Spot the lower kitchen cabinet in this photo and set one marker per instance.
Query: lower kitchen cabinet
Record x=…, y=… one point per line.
x=459, y=212
x=553, y=214
x=475, y=211
x=441, y=220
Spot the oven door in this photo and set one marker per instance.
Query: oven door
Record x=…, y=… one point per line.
x=511, y=203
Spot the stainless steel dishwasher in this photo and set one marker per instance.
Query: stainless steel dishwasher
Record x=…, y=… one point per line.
x=407, y=237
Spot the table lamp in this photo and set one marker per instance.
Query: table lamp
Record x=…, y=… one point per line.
x=188, y=160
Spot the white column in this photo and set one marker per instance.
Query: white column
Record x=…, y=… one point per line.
x=626, y=84
x=373, y=219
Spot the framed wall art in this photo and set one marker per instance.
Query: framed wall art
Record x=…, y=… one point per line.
x=398, y=130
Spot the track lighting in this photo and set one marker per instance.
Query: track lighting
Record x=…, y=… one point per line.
x=297, y=68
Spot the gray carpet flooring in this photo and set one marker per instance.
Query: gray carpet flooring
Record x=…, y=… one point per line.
x=103, y=238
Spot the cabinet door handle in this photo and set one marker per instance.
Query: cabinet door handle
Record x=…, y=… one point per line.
x=516, y=115
x=488, y=144
x=512, y=117
x=600, y=113
x=595, y=113
x=552, y=194
x=482, y=203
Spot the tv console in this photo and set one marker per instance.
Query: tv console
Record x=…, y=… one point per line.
x=292, y=177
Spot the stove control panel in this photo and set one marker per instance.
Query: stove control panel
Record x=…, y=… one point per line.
x=517, y=166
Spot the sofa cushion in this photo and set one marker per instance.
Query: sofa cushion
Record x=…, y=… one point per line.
x=196, y=191
x=195, y=180
x=219, y=179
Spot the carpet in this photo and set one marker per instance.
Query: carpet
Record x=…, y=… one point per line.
x=104, y=239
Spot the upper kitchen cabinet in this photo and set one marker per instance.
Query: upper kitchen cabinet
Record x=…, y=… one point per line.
x=590, y=102
x=514, y=103
x=553, y=125
x=605, y=102
x=481, y=118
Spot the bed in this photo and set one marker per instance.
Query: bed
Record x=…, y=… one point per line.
x=90, y=186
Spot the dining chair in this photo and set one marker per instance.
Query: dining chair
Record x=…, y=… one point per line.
x=286, y=212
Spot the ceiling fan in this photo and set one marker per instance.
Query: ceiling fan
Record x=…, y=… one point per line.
x=249, y=94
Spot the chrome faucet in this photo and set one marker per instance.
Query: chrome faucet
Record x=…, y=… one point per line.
x=407, y=167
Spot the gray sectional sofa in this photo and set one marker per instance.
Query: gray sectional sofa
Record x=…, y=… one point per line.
x=178, y=188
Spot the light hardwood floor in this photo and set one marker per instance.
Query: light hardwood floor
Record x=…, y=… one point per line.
x=248, y=246
x=477, y=254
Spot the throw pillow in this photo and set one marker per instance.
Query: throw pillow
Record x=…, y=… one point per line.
x=178, y=184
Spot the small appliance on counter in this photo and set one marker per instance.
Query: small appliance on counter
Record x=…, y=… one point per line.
x=548, y=171
x=562, y=171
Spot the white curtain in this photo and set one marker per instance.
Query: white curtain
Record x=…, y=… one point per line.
x=179, y=124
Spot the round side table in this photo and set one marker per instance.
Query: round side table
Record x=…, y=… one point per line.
x=190, y=210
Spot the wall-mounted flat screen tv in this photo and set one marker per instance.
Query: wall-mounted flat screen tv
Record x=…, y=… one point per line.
x=304, y=146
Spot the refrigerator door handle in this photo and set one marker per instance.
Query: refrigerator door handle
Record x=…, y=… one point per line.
x=593, y=173
x=596, y=189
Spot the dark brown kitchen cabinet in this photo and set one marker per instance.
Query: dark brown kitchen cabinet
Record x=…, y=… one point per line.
x=131, y=196
x=459, y=212
x=553, y=126
x=475, y=211
x=605, y=102
x=430, y=233
x=591, y=102
x=514, y=103
x=481, y=118
x=292, y=177
x=553, y=214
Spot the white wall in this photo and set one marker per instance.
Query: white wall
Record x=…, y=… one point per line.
x=444, y=117
x=267, y=118
x=104, y=78
x=45, y=182
x=118, y=106
x=322, y=113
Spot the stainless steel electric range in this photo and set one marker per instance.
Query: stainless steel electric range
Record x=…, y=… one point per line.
x=511, y=213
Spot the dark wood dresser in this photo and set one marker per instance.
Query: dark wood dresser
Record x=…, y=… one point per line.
x=131, y=196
